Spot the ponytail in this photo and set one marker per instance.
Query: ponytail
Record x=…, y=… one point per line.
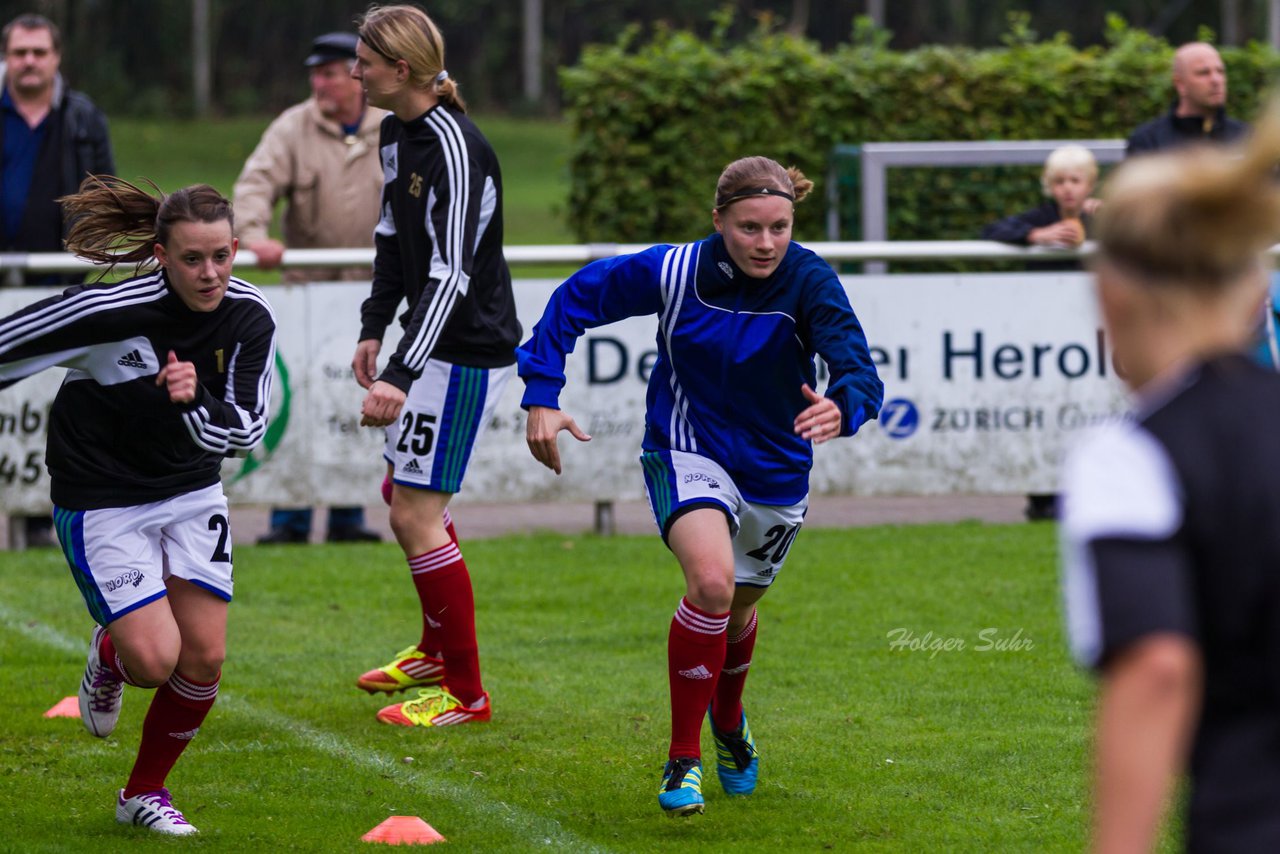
x=1199, y=217
x=115, y=222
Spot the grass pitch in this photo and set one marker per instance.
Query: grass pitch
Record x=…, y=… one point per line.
x=910, y=692
x=533, y=154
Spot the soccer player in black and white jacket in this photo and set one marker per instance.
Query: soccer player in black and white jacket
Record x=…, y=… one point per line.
x=439, y=247
x=1171, y=523
x=168, y=373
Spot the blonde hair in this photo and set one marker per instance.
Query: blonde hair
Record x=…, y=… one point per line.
x=408, y=33
x=751, y=173
x=114, y=222
x=1065, y=158
x=1196, y=218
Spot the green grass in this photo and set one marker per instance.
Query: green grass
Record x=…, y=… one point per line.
x=864, y=747
x=179, y=153
x=533, y=154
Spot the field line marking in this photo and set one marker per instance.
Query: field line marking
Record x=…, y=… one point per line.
x=532, y=826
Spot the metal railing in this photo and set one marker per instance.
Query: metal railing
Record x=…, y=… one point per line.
x=876, y=158
x=14, y=264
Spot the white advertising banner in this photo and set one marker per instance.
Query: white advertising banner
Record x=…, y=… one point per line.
x=987, y=380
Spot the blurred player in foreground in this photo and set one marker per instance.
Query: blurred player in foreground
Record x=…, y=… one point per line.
x=732, y=417
x=1172, y=520
x=168, y=373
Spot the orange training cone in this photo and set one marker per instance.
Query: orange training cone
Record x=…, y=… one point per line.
x=403, y=830
x=67, y=707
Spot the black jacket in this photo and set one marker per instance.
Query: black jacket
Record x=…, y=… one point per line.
x=115, y=439
x=1016, y=228
x=439, y=247
x=1172, y=130
x=76, y=144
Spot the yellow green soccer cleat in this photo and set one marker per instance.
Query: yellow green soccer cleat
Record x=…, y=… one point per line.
x=411, y=668
x=435, y=707
x=681, y=790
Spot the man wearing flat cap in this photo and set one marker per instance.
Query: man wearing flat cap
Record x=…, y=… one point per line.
x=321, y=158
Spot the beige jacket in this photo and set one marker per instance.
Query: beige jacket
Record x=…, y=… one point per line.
x=331, y=184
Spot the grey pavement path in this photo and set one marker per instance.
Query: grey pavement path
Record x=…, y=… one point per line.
x=632, y=517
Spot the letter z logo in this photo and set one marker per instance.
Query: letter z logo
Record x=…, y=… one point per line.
x=899, y=418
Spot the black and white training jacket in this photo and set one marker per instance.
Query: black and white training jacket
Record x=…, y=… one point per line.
x=1171, y=525
x=439, y=246
x=115, y=439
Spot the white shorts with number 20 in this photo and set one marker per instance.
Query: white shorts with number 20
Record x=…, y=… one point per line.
x=678, y=481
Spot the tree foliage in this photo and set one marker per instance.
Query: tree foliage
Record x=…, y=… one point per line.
x=656, y=120
x=134, y=56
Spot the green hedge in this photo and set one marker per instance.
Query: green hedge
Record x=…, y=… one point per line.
x=655, y=121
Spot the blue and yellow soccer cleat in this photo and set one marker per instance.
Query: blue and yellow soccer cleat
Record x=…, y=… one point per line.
x=681, y=790
x=737, y=759
x=411, y=668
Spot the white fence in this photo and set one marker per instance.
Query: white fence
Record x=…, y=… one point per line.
x=13, y=264
x=988, y=377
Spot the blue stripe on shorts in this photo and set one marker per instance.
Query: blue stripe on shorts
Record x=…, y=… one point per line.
x=660, y=481
x=460, y=425
x=70, y=527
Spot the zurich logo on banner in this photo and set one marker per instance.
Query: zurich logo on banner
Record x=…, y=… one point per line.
x=899, y=418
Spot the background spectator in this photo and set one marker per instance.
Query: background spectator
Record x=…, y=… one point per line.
x=1069, y=176
x=1199, y=113
x=321, y=157
x=51, y=137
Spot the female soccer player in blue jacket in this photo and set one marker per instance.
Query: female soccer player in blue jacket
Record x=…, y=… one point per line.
x=729, y=430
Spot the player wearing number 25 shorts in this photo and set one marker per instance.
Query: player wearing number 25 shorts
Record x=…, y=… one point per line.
x=730, y=424
x=439, y=250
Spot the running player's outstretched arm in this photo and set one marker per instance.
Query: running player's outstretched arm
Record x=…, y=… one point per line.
x=600, y=293
x=29, y=343
x=837, y=336
x=235, y=423
x=83, y=328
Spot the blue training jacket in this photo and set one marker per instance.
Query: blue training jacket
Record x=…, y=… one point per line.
x=733, y=352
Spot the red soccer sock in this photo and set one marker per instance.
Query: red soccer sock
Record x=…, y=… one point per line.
x=449, y=617
x=430, y=642
x=726, y=709
x=695, y=656
x=107, y=655
x=177, y=710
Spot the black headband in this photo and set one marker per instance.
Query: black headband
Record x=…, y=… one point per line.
x=753, y=191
